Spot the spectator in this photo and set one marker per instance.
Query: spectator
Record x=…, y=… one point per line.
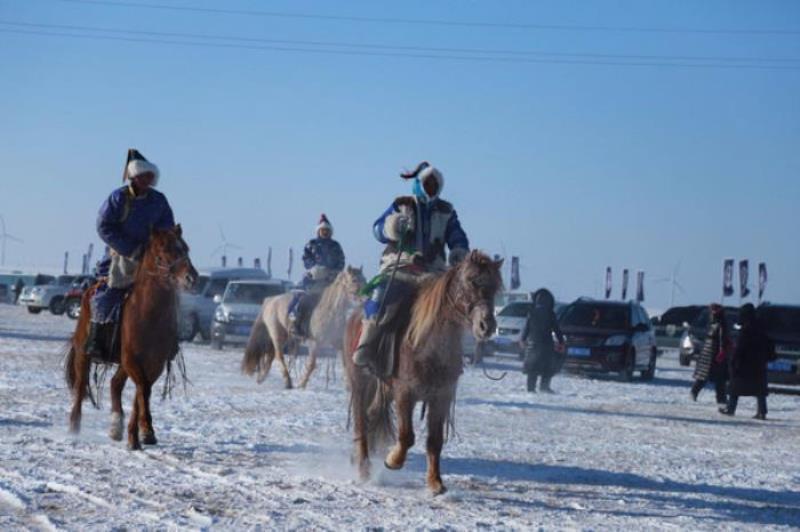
x=18, y=286
x=541, y=356
x=748, y=364
x=712, y=364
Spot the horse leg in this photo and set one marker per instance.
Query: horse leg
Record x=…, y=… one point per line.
x=311, y=364
x=145, y=419
x=360, y=428
x=437, y=417
x=117, y=414
x=133, y=424
x=82, y=367
x=287, y=378
x=405, y=431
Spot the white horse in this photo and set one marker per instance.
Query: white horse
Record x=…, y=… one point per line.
x=271, y=330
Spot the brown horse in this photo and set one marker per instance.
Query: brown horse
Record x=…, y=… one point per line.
x=149, y=335
x=270, y=332
x=429, y=364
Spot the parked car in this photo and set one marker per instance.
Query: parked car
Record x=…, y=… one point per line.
x=196, y=311
x=670, y=325
x=239, y=308
x=782, y=325
x=510, y=323
x=693, y=336
x=609, y=336
x=47, y=296
x=73, y=297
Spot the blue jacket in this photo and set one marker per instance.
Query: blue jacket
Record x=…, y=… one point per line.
x=436, y=225
x=323, y=252
x=125, y=221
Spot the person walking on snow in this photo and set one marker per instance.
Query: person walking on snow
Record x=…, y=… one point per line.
x=712, y=363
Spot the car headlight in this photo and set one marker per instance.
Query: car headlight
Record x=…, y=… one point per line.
x=220, y=315
x=616, y=340
x=687, y=344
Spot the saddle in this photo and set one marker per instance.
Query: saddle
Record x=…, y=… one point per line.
x=392, y=327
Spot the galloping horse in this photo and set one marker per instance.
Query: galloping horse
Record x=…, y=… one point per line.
x=270, y=332
x=429, y=363
x=149, y=335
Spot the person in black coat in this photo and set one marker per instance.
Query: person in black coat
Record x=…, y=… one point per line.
x=541, y=358
x=748, y=364
x=711, y=363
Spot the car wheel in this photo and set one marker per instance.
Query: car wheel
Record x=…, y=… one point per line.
x=73, y=308
x=188, y=328
x=57, y=306
x=34, y=310
x=650, y=372
x=216, y=343
x=684, y=360
x=205, y=334
x=630, y=366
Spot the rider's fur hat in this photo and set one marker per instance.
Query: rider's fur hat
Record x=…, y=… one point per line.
x=324, y=223
x=138, y=165
x=422, y=172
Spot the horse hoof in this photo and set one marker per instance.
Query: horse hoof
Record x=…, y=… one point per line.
x=437, y=489
x=149, y=438
x=116, y=427
x=289, y=386
x=74, y=429
x=393, y=467
x=134, y=446
x=115, y=434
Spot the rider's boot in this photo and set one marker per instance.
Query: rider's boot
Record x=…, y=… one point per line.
x=369, y=333
x=96, y=346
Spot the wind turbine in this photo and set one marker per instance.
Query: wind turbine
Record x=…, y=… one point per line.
x=673, y=281
x=5, y=236
x=225, y=244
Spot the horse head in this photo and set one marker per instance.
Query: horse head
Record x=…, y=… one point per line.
x=353, y=281
x=168, y=254
x=477, y=280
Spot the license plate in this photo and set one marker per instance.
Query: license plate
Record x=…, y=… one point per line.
x=503, y=341
x=780, y=365
x=243, y=330
x=579, y=351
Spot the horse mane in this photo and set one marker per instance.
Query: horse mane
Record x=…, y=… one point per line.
x=428, y=306
x=331, y=300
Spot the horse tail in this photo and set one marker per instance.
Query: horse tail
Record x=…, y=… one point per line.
x=70, y=373
x=380, y=422
x=260, y=350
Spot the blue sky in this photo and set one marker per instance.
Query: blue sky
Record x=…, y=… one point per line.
x=570, y=166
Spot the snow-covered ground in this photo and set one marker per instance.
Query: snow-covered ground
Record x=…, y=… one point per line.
x=233, y=454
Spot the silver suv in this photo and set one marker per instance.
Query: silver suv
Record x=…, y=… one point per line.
x=48, y=296
x=239, y=307
x=197, y=307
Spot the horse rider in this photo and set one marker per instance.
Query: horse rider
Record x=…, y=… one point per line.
x=416, y=229
x=323, y=259
x=124, y=223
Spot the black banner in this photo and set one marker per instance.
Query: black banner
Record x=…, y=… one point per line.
x=291, y=261
x=515, y=282
x=744, y=272
x=608, y=282
x=762, y=279
x=640, y=286
x=625, y=275
x=727, y=278
x=269, y=261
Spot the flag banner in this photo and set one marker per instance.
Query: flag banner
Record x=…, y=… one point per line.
x=89, y=255
x=269, y=261
x=625, y=275
x=727, y=278
x=224, y=261
x=515, y=282
x=257, y=263
x=66, y=261
x=608, y=282
x=240, y=262
x=84, y=264
x=640, y=286
x=291, y=261
x=762, y=279
x=744, y=272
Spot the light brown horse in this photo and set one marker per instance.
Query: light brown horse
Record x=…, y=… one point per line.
x=270, y=332
x=149, y=335
x=430, y=362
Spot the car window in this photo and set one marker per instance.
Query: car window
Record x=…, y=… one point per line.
x=781, y=320
x=598, y=316
x=516, y=310
x=217, y=286
x=250, y=293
